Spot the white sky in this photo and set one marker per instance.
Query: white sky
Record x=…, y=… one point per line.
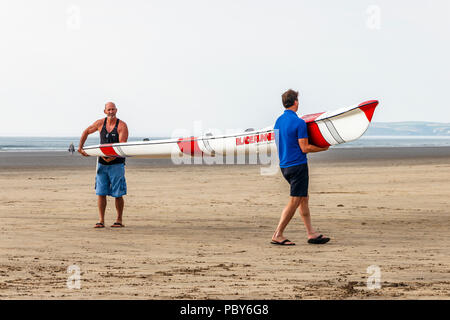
x=167, y=63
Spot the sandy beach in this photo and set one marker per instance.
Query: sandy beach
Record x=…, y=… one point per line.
x=203, y=232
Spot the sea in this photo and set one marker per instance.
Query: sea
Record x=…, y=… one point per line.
x=62, y=143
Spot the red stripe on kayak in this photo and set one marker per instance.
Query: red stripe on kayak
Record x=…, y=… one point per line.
x=369, y=108
x=108, y=150
x=315, y=136
x=189, y=146
x=311, y=117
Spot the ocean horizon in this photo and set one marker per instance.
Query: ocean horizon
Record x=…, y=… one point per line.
x=63, y=143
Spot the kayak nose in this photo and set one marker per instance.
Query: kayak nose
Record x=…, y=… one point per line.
x=369, y=108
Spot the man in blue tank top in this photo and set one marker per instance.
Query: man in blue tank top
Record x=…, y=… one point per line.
x=291, y=137
x=110, y=179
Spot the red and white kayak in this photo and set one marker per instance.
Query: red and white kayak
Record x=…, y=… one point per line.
x=339, y=126
x=324, y=129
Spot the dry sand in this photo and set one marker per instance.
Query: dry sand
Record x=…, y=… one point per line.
x=203, y=232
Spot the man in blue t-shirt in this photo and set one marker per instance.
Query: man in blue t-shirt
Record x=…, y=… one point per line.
x=291, y=137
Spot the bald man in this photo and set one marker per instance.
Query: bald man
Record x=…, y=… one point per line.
x=110, y=179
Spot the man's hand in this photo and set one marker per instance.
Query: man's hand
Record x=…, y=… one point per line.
x=108, y=159
x=80, y=150
x=307, y=148
x=320, y=149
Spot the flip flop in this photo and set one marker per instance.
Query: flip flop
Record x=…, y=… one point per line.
x=117, y=225
x=99, y=225
x=283, y=243
x=319, y=240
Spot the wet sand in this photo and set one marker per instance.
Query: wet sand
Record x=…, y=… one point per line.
x=203, y=232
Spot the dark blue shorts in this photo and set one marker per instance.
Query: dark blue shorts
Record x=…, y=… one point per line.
x=298, y=178
x=110, y=180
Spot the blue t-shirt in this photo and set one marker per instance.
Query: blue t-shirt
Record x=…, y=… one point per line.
x=288, y=129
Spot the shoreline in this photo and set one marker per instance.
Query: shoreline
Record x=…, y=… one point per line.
x=336, y=156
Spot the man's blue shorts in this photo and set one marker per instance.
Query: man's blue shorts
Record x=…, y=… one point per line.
x=110, y=180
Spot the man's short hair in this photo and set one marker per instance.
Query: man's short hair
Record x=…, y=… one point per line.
x=289, y=98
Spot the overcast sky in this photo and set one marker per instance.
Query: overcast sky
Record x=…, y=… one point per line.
x=167, y=63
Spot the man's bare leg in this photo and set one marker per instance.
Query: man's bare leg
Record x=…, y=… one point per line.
x=120, y=203
x=101, y=208
x=306, y=217
x=286, y=216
